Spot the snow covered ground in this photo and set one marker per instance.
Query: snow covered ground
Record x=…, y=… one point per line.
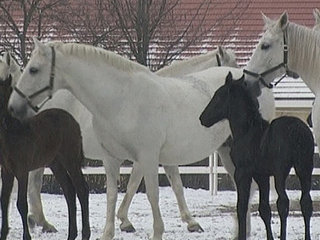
x=215, y=214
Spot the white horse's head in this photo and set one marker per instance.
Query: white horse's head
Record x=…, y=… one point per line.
x=269, y=52
x=35, y=84
x=8, y=66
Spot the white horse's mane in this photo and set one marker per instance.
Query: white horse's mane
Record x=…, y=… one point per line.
x=304, y=44
x=177, y=65
x=90, y=53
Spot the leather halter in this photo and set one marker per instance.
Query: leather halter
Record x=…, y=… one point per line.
x=284, y=64
x=48, y=88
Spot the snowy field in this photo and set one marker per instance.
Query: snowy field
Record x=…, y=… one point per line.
x=215, y=214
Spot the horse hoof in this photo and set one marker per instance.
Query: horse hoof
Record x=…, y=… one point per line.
x=195, y=228
x=48, y=228
x=127, y=228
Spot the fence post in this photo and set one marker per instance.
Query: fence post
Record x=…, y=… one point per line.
x=211, y=177
x=215, y=173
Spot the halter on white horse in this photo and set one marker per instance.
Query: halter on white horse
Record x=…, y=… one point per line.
x=48, y=88
x=260, y=76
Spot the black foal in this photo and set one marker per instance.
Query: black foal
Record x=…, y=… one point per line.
x=261, y=150
x=52, y=138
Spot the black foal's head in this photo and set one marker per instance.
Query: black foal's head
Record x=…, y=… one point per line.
x=225, y=98
x=218, y=107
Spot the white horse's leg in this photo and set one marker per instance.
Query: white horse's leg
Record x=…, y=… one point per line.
x=224, y=153
x=174, y=177
x=112, y=168
x=36, y=216
x=133, y=184
x=150, y=170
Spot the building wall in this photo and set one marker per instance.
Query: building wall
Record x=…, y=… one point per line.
x=301, y=113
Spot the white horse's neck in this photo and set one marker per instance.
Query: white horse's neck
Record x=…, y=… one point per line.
x=304, y=54
x=194, y=64
x=87, y=71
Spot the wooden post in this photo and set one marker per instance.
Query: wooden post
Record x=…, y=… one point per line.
x=211, y=176
x=215, y=173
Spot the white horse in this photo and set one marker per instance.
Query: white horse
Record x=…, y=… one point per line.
x=137, y=115
x=303, y=55
x=92, y=149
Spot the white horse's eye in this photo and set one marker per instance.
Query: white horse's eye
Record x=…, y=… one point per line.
x=265, y=46
x=33, y=70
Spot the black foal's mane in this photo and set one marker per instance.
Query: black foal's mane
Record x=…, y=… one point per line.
x=250, y=101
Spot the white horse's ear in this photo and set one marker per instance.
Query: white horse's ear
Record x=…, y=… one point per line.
x=7, y=57
x=316, y=14
x=221, y=51
x=267, y=21
x=39, y=45
x=283, y=21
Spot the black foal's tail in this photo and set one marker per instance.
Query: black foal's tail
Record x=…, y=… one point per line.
x=84, y=161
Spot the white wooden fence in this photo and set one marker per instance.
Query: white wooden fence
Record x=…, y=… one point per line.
x=213, y=170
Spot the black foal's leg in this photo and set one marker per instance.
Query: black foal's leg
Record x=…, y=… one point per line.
x=22, y=203
x=305, y=201
x=64, y=180
x=243, y=182
x=282, y=202
x=7, y=184
x=264, y=206
x=82, y=191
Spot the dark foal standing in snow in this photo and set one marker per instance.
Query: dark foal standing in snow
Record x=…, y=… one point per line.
x=52, y=138
x=261, y=150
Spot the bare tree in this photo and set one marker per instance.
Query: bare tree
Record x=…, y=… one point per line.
x=165, y=27
x=87, y=21
x=22, y=19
